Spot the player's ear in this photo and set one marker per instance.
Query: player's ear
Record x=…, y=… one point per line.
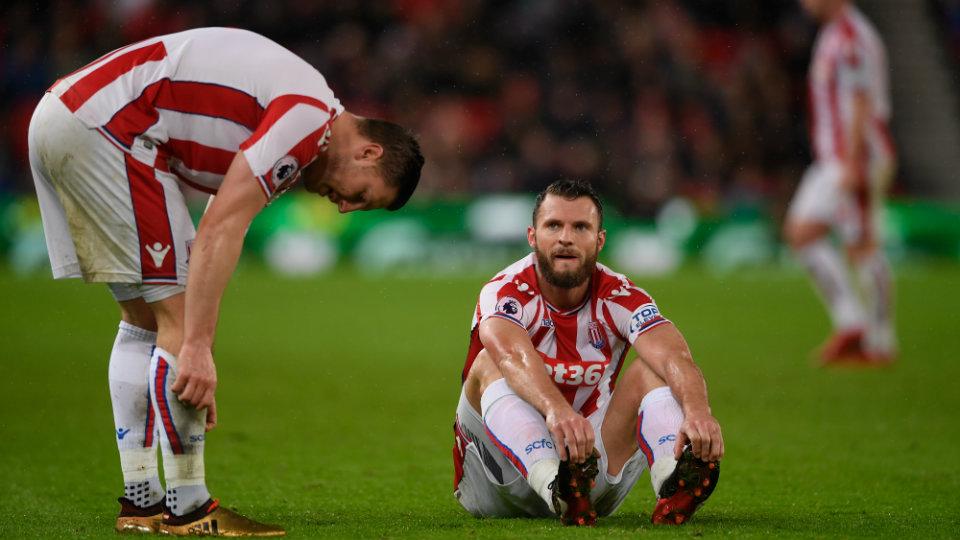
x=370, y=151
x=532, y=237
x=601, y=239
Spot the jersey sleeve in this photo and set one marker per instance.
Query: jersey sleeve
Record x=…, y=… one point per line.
x=633, y=311
x=508, y=299
x=852, y=65
x=293, y=131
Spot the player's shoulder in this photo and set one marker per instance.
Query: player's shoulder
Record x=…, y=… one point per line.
x=615, y=287
x=520, y=277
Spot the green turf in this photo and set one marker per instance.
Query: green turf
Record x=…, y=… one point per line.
x=336, y=400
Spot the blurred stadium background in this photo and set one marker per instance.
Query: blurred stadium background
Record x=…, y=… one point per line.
x=689, y=115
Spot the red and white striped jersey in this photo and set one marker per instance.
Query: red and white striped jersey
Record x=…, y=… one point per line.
x=583, y=349
x=187, y=102
x=849, y=57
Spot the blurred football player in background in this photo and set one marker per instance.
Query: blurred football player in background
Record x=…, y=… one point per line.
x=843, y=190
x=226, y=111
x=540, y=430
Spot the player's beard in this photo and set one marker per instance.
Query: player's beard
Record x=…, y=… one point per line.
x=570, y=278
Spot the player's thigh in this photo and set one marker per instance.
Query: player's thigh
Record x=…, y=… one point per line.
x=814, y=208
x=861, y=224
x=133, y=308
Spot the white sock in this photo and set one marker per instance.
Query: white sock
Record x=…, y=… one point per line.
x=181, y=437
x=832, y=281
x=133, y=416
x=521, y=433
x=657, y=430
x=876, y=282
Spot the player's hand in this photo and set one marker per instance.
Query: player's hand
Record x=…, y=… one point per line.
x=572, y=433
x=702, y=431
x=211, y=416
x=196, y=377
x=854, y=178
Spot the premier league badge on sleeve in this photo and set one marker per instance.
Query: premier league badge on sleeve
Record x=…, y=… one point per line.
x=285, y=169
x=510, y=307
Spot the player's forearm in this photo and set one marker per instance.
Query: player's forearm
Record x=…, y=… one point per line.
x=666, y=352
x=857, y=155
x=214, y=257
x=525, y=373
x=686, y=382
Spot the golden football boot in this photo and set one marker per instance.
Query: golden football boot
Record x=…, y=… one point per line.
x=133, y=519
x=211, y=519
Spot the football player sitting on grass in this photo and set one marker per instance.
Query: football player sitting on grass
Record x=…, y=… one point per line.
x=544, y=425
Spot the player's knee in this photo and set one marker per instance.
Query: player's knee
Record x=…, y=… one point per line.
x=860, y=250
x=482, y=374
x=798, y=234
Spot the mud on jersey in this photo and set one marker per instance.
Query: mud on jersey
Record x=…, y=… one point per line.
x=583, y=348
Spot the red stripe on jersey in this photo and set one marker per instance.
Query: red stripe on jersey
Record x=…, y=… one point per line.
x=135, y=117
x=200, y=157
x=590, y=405
x=153, y=223
x=275, y=111
x=104, y=57
x=565, y=333
x=305, y=151
x=538, y=336
x=213, y=100
x=93, y=82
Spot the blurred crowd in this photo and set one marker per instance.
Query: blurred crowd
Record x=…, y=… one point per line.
x=649, y=99
x=948, y=12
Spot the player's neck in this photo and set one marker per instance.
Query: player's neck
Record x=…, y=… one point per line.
x=343, y=132
x=835, y=11
x=562, y=298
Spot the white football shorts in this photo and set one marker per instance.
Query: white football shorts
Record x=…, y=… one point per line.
x=820, y=198
x=109, y=215
x=489, y=485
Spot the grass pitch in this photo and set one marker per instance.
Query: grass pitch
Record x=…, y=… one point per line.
x=337, y=395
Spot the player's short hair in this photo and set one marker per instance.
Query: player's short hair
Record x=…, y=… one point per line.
x=401, y=161
x=569, y=190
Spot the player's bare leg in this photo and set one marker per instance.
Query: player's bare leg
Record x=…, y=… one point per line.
x=141, y=507
x=643, y=414
x=521, y=433
x=810, y=241
x=189, y=509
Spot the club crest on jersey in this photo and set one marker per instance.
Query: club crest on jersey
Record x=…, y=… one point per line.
x=596, y=335
x=510, y=307
x=285, y=169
